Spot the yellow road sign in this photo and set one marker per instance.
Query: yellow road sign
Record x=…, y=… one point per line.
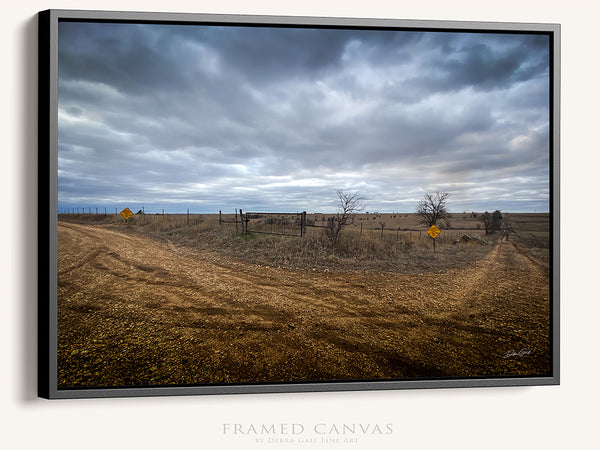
x=126, y=213
x=433, y=231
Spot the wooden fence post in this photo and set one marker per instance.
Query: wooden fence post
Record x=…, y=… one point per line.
x=236, y=222
x=220, y=220
x=303, y=224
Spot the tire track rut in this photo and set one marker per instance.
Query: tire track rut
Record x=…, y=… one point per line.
x=133, y=311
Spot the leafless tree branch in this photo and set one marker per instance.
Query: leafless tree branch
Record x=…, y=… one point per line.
x=432, y=208
x=350, y=203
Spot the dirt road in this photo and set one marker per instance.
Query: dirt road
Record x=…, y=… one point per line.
x=134, y=311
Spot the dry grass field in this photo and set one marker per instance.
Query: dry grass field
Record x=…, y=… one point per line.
x=172, y=300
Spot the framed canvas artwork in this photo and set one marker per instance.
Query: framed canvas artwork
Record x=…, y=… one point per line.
x=248, y=204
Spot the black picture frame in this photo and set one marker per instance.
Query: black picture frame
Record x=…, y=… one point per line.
x=48, y=201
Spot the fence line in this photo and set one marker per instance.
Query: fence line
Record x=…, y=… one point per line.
x=280, y=223
x=277, y=223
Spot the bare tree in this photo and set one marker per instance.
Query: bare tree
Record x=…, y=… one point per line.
x=350, y=203
x=491, y=222
x=486, y=219
x=432, y=208
x=496, y=220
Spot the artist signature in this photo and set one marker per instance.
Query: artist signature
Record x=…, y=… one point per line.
x=510, y=353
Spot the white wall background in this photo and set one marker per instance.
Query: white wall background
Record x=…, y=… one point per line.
x=516, y=418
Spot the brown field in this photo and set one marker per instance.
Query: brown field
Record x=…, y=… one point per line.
x=162, y=300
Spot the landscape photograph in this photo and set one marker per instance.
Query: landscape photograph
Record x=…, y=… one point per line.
x=241, y=205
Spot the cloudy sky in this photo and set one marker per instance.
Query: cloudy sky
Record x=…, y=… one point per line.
x=276, y=119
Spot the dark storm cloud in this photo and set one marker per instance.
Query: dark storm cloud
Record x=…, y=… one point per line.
x=491, y=64
x=134, y=59
x=280, y=118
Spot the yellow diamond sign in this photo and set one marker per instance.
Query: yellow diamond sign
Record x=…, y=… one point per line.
x=433, y=231
x=126, y=213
